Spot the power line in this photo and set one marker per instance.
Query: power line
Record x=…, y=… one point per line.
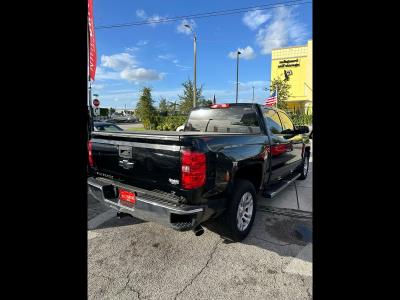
x=207, y=14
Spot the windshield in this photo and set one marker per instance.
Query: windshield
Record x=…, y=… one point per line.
x=235, y=119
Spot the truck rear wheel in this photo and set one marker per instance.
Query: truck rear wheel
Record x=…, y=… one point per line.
x=241, y=210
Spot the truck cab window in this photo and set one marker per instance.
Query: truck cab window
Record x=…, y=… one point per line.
x=234, y=119
x=286, y=123
x=273, y=121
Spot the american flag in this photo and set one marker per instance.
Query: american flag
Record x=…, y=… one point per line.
x=272, y=99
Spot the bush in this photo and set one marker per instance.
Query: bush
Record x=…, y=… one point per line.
x=169, y=123
x=301, y=118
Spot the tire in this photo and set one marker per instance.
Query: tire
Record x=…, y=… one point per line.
x=243, y=192
x=304, y=167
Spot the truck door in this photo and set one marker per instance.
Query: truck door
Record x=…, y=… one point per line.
x=281, y=149
x=296, y=141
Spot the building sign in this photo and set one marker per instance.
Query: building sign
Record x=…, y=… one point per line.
x=287, y=63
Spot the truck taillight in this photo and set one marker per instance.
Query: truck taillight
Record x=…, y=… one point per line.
x=91, y=164
x=224, y=105
x=193, y=169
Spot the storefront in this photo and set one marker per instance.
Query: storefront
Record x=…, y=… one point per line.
x=295, y=65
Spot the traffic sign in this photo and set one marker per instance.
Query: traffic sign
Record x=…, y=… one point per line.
x=96, y=111
x=96, y=103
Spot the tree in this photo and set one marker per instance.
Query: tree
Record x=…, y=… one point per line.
x=204, y=102
x=162, y=107
x=283, y=87
x=145, y=109
x=186, y=101
x=104, y=112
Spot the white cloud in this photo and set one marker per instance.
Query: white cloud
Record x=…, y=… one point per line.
x=140, y=74
x=118, y=61
x=166, y=56
x=102, y=74
x=124, y=66
x=131, y=49
x=282, y=30
x=175, y=61
x=245, y=53
x=97, y=86
x=253, y=19
x=155, y=18
x=181, y=28
x=141, y=14
x=183, y=68
x=248, y=85
x=142, y=43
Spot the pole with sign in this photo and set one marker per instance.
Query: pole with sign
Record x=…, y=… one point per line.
x=96, y=105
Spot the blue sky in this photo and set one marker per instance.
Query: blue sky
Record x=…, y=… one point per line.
x=161, y=55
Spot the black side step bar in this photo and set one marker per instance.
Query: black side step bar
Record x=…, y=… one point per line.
x=272, y=191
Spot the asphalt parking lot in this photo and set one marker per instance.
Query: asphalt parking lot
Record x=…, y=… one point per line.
x=132, y=259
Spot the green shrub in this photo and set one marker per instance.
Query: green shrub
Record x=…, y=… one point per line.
x=169, y=123
x=301, y=118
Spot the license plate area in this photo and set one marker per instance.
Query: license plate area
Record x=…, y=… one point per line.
x=126, y=198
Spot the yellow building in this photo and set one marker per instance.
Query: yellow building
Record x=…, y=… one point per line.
x=295, y=65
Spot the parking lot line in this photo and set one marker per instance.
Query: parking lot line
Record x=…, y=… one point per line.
x=100, y=219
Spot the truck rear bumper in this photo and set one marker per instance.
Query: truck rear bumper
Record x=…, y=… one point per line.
x=149, y=206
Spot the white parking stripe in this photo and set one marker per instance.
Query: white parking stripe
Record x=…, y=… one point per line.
x=302, y=263
x=100, y=219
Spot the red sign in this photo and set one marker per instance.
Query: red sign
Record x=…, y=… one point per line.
x=92, y=42
x=96, y=102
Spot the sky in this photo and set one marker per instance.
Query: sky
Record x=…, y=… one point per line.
x=160, y=55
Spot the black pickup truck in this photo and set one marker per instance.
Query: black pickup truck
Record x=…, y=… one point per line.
x=226, y=154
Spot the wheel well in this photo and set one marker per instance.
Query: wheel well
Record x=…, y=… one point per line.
x=251, y=173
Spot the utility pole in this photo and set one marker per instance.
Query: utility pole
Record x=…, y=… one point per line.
x=237, y=76
x=194, y=67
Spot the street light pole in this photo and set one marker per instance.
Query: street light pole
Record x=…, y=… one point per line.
x=237, y=76
x=194, y=75
x=194, y=67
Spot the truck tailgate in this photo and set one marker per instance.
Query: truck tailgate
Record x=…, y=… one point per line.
x=145, y=159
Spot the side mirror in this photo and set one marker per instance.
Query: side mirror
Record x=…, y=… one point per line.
x=302, y=129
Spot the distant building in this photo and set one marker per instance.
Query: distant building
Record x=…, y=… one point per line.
x=295, y=64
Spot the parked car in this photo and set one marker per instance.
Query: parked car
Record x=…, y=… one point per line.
x=121, y=118
x=106, y=126
x=226, y=154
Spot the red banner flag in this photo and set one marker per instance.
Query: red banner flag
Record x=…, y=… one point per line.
x=92, y=42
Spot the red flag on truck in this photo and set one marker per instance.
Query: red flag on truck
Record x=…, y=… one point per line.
x=92, y=42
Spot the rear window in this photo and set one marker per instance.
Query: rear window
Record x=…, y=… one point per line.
x=235, y=119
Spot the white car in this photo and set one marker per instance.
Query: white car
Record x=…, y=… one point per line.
x=181, y=128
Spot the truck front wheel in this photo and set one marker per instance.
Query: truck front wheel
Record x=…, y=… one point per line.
x=241, y=210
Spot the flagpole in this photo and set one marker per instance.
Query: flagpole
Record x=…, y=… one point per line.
x=276, y=93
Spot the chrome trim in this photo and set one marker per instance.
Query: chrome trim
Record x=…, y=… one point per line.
x=178, y=211
x=138, y=198
x=274, y=193
x=139, y=145
x=183, y=212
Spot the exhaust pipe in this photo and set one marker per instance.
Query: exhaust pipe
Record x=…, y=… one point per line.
x=198, y=230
